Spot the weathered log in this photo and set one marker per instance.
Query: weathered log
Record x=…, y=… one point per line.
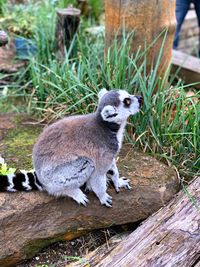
x=170, y=237
x=66, y=26
x=188, y=66
x=147, y=19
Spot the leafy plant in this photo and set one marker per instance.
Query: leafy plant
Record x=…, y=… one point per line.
x=23, y=19
x=5, y=170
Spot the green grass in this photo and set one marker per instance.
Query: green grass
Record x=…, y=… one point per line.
x=167, y=126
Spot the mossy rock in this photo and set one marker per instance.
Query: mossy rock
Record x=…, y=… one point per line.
x=18, y=134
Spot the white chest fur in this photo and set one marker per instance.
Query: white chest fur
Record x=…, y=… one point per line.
x=120, y=134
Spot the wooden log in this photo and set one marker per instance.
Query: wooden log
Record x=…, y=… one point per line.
x=170, y=237
x=66, y=26
x=147, y=19
x=189, y=67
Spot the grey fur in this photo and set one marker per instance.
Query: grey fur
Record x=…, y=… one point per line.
x=81, y=149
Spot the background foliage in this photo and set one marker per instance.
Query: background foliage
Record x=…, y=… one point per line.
x=167, y=126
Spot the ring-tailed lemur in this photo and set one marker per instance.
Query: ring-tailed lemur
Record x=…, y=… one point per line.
x=78, y=150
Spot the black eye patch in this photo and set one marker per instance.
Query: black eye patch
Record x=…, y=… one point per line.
x=127, y=102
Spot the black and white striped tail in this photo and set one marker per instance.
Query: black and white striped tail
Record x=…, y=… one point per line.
x=22, y=181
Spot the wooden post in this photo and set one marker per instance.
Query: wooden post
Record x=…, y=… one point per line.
x=147, y=19
x=66, y=26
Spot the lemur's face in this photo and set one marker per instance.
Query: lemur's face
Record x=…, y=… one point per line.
x=117, y=105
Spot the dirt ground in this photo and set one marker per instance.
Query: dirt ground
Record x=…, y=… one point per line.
x=62, y=253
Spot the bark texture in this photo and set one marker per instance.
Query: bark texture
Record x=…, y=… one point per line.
x=170, y=237
x=66, y=26
x=147, y=19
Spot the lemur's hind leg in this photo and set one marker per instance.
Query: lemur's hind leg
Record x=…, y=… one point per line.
x=74, y=193
x=58, y=190
x=119, y=182
x=98, y=184
x=66, y=179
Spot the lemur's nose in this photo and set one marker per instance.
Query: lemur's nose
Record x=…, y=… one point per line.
x=140, y=99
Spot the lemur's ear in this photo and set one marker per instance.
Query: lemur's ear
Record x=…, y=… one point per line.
x=108, y=113
x=101, y=93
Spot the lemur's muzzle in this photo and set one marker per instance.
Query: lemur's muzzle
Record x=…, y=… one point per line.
x=140, y=99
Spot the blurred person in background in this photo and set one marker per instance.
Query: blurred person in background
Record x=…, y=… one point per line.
x=182, y=7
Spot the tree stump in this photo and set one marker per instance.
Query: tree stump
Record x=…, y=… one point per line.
x=147, y=19
x=170, y=237
x=66, y=26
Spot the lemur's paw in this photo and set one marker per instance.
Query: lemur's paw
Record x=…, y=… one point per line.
x=88, y=187
x=106, y=200
x=122, y=182
x=81, y=199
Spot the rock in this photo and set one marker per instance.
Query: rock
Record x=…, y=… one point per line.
x=8, y=63
x=96, y=31
x=31, y=221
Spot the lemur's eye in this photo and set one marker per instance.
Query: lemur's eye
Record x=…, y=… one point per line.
x=127, y=101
